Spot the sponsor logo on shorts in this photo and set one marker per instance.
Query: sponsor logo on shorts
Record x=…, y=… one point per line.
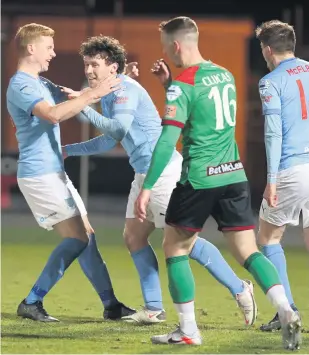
x=70, y=202
x=43, y=219
x=225, y=168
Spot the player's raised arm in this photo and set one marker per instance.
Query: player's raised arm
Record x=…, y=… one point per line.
x=177, y=111
x=26, y=96
x=93, y=146
x=124, y=109
x=271, y=104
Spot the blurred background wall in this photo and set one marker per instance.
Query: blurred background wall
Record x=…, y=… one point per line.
x=226, y=37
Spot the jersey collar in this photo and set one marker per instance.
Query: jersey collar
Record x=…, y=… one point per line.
x=287, y=60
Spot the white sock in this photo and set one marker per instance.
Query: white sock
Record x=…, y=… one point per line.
x=277, y=297
x=186, y=317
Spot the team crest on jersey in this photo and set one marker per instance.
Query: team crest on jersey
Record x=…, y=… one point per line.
x=264, y=86
x=173, y=92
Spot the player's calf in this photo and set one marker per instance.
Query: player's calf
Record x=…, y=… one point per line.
x=246, y=252
x=177, y=245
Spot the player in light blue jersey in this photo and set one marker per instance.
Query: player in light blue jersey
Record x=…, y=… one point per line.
x=285, y=100
x=131, y=118
x=35, y=106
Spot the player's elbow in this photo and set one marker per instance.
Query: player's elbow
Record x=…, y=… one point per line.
x=53, y=118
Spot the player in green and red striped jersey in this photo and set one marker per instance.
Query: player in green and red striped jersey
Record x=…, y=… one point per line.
x=201, y=103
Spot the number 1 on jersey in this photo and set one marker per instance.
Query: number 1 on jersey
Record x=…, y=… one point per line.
x=304, y=113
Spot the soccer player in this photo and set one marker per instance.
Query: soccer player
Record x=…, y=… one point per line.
x=285, y=100
x=201, y=103
x=131, y=118
x=33, y=103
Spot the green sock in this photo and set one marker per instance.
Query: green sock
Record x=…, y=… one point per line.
x=263, y=271
x=180, y=277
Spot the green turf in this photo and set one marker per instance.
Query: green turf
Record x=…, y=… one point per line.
x=24, y=252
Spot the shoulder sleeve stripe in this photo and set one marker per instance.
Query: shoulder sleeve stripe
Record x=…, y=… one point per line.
x=172, y=123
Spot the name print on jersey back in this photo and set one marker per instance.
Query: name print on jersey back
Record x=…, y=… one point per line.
x=206, y=95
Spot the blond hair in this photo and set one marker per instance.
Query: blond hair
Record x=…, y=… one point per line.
x=31, y=32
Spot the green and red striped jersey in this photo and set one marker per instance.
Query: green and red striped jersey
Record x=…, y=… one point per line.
x=202, y=101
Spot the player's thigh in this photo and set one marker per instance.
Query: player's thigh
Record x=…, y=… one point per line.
x=80, y=205
x=163, y=189
x=136, y=187
x=160, y=198
x=241, y=244
x=136, y=233
x=52, y=203
x=188, y=209
x=292, y=192
x=269, y=233
x=177, y=241
x=235, y=219
x=232, y=209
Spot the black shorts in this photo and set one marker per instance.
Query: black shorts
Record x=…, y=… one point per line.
x=229, y=205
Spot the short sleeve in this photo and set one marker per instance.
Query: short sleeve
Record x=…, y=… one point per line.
x=25, y=96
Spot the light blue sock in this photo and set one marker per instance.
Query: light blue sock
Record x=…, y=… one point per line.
x=210, y=257
x=275, y=254
x=96, y=271
x=146, y=263
x=60, y=259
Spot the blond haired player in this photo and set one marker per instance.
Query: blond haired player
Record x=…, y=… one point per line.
x=36, y=107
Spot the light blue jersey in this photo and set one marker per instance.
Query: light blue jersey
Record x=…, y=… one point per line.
x=131, y=118
x=285, y=97
x=38, y=140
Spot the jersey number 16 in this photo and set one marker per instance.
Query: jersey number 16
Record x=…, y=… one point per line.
x=223, y=105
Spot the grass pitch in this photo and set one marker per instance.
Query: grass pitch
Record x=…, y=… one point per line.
x=75, y=303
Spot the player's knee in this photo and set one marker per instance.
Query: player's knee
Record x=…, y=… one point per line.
x=176, y=246
x=87, y=225
x=241, y=244
x=72, y=228
x=131, y=240
x=269, y=234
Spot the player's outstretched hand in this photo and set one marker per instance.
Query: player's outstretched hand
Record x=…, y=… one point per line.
x=105, y=87
x=70, y=93
x=131, y=70
x=162, y=71
x=270, y=195
x=140, y=205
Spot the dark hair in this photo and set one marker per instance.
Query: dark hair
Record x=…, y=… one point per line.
x=177, y=24
x=107, y=48
x=278, y=35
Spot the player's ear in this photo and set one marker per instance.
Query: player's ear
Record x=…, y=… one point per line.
x=268, y=51
x=176, y=46
x=30, y=48
x=114, y=68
